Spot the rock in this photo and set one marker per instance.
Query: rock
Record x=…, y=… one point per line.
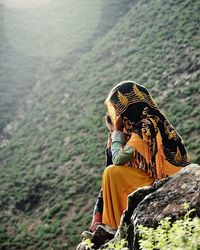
x=102, y=235
x=169, y=197
x=165, y=198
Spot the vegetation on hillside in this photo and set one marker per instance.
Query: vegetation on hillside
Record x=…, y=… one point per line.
x=51, y=169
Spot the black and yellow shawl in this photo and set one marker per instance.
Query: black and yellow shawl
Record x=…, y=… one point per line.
x=156, y=141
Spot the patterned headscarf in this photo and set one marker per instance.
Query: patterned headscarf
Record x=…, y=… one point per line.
x=141, y=116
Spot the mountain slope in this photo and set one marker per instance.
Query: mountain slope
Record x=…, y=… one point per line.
x=51, y=169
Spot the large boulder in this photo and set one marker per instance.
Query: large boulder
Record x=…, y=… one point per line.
x=165, y=198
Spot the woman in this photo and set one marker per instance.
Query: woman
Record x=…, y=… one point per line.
x=145, y=147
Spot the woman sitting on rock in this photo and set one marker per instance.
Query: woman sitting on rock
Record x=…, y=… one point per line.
x=145, y=147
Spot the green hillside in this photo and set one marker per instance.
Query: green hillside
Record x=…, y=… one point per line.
x=51, y=169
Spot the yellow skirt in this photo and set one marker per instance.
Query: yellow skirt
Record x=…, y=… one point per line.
x=117, y=183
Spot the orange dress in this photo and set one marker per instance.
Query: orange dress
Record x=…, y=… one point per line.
x=118, y=182
x=121, y=180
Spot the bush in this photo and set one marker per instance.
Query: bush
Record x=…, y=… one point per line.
x=183, y=234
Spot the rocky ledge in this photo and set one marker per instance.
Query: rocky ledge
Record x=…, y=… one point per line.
x=148, y=205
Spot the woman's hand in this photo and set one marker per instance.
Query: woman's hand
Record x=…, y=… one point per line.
x=118, y=124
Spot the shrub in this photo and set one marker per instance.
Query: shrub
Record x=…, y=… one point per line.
x=183, y=234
